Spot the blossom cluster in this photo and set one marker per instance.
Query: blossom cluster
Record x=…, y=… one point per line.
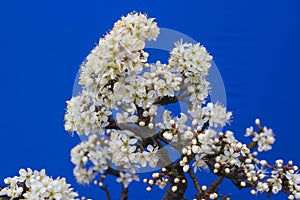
x=264, y=138
x=84, y=116
x=97, y=155
x=94, y=151
x=212, y=115
x=280, y=178
x=33, y=185
x=193, y=62
x=128, y=154
x=117, y=56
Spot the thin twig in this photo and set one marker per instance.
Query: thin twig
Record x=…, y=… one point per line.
x=104, y=188
x=195, y=181
x=124, y=195
x=252, y=145
x=213, y=187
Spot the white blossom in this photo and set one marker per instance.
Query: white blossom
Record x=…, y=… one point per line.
x=231, y=157
x=264, y=139
x=38, y=186
x=126, y=178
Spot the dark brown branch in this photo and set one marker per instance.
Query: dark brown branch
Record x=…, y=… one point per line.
x=139, y=111
x=217, y=153
x=112, y=124
x=195, y=181
x=104, y=188
x=166, y=100
x=4, y=197
x=214, y=186
x=113, y=172
x=176, y=172
x=124, y=195
x=252, y=145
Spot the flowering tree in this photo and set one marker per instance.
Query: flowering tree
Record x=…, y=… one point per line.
x=123, y=112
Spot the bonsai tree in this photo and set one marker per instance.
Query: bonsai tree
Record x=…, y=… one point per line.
x=124, y=113
x=118, y=111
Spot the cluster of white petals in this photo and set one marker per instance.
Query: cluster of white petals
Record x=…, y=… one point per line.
x=117, y=57
x=97, y=155
x=264, y=138
x=90, y=158
x=193, y=62
x=278, y=177
x=213, y=114
x=126, y=178
x=127, y=154
x=85, y=115
x=34, y=185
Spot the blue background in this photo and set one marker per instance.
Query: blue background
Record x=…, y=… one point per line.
x=255, y=45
